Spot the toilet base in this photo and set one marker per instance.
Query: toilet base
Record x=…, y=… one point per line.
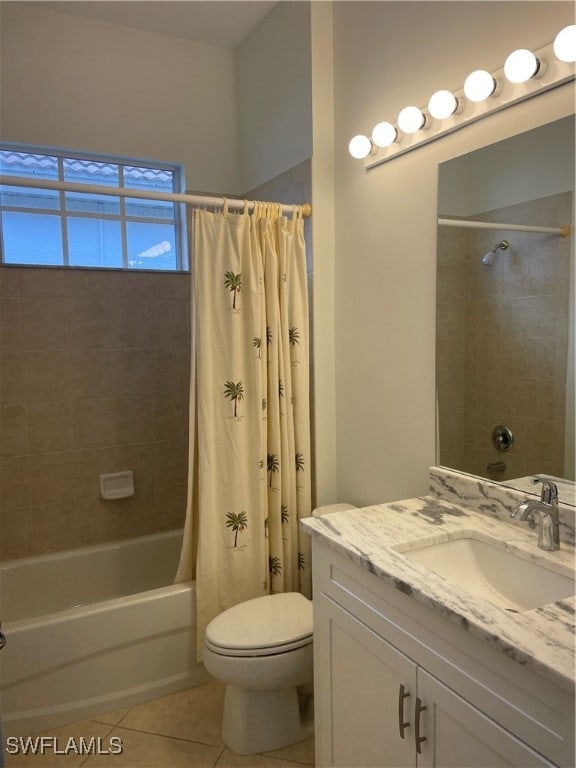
x=258, y=721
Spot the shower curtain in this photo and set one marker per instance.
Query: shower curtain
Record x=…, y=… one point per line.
x=249, y=464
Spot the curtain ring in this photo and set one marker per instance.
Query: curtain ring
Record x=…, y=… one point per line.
x=225, y=208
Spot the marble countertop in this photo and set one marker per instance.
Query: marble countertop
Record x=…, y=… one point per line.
x=541, y=639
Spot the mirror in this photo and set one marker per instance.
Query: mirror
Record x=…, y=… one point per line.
x=505, y=309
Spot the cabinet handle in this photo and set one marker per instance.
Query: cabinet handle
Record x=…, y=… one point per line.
x=417, y=738
x=401, y=724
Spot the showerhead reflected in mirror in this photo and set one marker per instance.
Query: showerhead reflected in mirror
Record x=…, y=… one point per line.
x=505, y=306
x=490, y=256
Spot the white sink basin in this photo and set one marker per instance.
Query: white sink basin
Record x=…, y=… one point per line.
x=484, y=568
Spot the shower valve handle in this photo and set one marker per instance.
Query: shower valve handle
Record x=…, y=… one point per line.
x=502, y=438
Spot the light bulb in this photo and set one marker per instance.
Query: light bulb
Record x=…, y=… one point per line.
x=411, y=119
x=360, y=147
x=565, y=44
x=384, y=134
x=479, y=85
x=521, y=65
x=442, y=104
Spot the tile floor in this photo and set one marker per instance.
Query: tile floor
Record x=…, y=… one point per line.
x=181, y=730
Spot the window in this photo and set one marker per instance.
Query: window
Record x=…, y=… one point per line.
x=79, y=229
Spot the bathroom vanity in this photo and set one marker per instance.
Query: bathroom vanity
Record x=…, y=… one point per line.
x=415, y=668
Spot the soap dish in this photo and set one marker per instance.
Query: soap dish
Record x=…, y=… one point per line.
x=118, y=485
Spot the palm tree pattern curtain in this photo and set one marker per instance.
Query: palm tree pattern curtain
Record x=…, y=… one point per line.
x=251, y=424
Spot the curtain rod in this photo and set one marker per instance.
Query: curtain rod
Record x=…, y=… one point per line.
x=562, y=231
x=171, y=197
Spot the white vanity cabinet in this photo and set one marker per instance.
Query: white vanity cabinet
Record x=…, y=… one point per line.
x=397, y=684
x=365, y=677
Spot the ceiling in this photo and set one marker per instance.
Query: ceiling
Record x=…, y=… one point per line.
x=222, y=23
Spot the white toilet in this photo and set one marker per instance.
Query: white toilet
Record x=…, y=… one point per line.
x=262, y=650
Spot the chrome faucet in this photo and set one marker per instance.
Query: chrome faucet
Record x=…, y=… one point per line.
x=547, y=509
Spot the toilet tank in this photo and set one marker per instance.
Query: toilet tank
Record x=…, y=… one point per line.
x=327, y=509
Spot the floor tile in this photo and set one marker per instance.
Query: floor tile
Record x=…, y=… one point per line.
x=59, y=741
x=302, y=752
x=112, y=718
x=194, y=714
x=182, y=730
x=145, y=750
x=230, y=759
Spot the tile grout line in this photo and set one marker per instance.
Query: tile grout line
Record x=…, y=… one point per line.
x=166, y=736
x=215, y=763
x=107, y=734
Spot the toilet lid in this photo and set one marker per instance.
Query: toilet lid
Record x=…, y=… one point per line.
x=280, y=622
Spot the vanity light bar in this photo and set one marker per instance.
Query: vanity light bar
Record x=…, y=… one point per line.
x=551, y=73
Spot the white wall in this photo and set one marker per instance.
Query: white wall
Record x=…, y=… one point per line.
x=388, y=55
x=323, y=245
x=273, y=75
x=77, y=83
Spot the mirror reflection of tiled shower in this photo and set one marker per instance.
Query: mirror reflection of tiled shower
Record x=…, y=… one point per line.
x=502, y=341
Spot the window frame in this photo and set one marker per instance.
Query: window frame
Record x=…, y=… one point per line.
x=179, y=209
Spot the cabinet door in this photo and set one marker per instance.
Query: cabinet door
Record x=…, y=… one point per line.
x=360, y=686
x=460, y=736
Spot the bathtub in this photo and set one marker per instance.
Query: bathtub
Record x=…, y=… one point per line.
x=94, y=629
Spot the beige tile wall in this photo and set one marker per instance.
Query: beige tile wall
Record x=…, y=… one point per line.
x=502, y=341
x=451, y=343
x=94, y=379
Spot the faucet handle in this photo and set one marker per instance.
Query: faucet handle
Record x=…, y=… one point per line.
x=549, y=491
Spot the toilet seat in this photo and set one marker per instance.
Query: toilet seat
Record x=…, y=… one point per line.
x=269, y=650
x=264, y=626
